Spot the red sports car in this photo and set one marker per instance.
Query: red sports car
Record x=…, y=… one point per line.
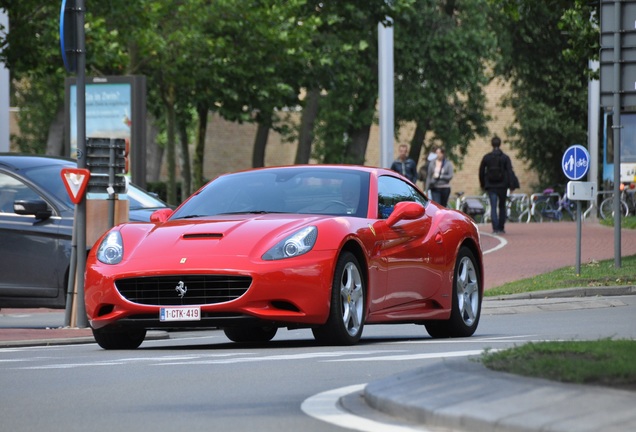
x=326, y=247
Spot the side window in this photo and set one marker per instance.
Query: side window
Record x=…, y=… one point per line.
x=391, y=191
x=12, y=189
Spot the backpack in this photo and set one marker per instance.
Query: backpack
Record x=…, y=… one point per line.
x=495, y=168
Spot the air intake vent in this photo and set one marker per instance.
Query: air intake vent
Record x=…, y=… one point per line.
x=202, y=236
x=183, y=290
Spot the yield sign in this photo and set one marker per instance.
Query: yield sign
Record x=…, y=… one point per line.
x=75, y=180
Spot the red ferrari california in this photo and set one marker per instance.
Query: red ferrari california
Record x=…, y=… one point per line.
x=326, y=247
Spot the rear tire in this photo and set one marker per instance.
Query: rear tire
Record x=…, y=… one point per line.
x=250, y=334
x=467, y=296
x=346, y=315
x=119, y=339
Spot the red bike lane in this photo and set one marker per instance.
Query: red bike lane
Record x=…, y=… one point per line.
x=530, y=249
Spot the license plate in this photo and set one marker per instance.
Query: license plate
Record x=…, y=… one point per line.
x=180, y=314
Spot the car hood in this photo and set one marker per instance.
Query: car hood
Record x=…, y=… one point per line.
x=221, y=235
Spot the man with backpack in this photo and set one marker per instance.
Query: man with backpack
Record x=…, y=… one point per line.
x=496, y=176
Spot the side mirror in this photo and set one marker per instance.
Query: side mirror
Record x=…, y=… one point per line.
x=161, y=215
x=38, y=208
x=405, y=210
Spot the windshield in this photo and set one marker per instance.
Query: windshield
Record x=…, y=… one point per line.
x=283, y=190
x=140, y=199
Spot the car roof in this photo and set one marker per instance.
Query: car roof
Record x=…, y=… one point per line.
x=344, y=167
x=18, y=161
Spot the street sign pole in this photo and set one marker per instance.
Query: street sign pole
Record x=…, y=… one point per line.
x=575, y=165
x=579, y=230
x=82, y=320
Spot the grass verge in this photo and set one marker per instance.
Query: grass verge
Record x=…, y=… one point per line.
x=628, y=222
x=605, y=362
x=593, y=274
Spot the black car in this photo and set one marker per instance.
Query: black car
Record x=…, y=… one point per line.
x=35, y=234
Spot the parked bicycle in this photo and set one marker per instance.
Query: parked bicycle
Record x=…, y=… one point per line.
x=550, y=205
x=627, y=202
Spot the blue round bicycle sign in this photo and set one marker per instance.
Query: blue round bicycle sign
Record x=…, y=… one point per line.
x=576, y=162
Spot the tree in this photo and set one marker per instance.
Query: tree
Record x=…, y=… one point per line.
x=443, y=50
x=262, y=60
x=548, y=72
x=34, y=60
x=344, y=68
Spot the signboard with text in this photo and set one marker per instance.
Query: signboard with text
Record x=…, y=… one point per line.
x=115, y=109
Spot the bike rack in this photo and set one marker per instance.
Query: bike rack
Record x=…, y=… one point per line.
x=553, y=197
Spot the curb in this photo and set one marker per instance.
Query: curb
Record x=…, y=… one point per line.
x=151, y=335
x=462, y=394
x=618, y=290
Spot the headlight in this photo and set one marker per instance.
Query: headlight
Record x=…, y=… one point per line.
x=111, y=250
x=296, y=244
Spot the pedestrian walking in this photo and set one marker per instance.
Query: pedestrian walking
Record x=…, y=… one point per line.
x=440, y=173
x=422, y=171
x=496, y=176
x=405, y=165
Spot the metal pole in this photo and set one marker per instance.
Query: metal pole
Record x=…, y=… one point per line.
x=593, y=117
x=111, y=183
x=617, y=133
x=82, y=321
x=70, y=289
x=578, y=237
x=385, y=66
x=4, y=90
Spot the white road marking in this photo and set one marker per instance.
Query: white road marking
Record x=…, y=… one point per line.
x=324, y=407
x=502, y=339
x=502, y=242
x=205, y=359
x=414, y=356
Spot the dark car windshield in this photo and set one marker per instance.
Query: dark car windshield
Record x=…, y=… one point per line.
x=49, y=178
x=283, y=190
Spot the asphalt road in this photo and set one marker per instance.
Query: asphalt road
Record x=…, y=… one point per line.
x=199, y=381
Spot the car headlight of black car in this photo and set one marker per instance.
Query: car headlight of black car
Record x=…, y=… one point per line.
x=111, y=249
x=296, y=244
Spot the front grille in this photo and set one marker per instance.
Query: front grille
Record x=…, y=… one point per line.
x=199, y=289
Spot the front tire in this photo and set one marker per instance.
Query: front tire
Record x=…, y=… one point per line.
x=467, y=296
x=346, y=314
x=119, y=339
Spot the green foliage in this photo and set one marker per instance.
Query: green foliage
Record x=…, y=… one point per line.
x=249, y=59
x=442, y=54
x=547, y=68
x=31, y=51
